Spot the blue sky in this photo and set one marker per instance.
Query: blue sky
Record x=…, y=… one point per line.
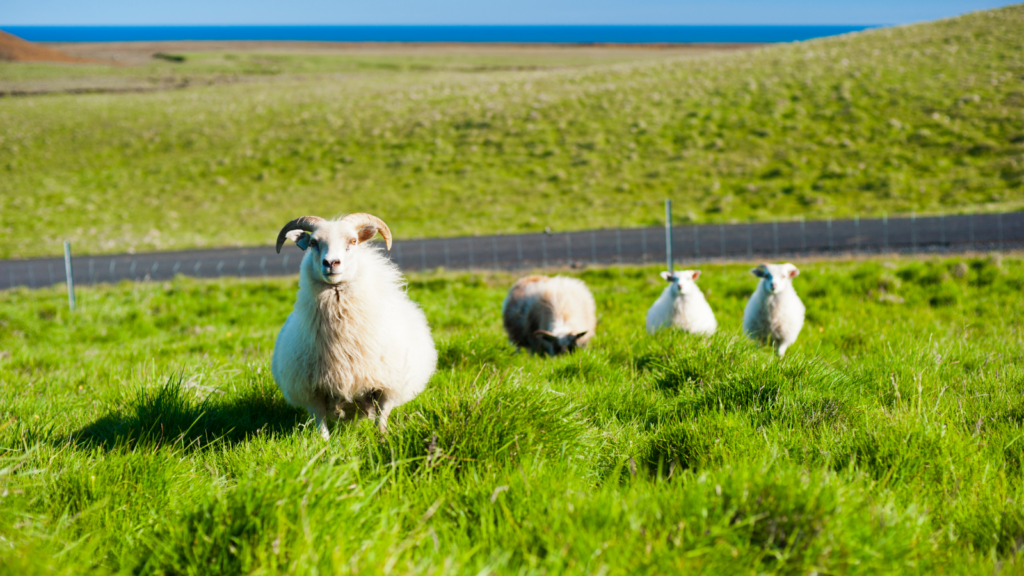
x=223, y=12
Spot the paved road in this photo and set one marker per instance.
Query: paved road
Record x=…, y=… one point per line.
x=765, y=241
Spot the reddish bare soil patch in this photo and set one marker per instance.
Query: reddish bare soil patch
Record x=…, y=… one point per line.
x=14, y=49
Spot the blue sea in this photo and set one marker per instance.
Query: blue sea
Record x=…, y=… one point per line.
x=516, y=34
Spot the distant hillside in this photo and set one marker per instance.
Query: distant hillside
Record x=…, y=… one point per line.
x=14, y=49
x=926, y=118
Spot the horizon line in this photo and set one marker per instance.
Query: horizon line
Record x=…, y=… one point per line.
x=427, y=25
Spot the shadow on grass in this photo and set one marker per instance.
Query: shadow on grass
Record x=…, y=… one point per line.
x=174, y=414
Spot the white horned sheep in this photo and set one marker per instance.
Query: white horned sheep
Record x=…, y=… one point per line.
x=774, y=312
x=682, y=305
x=354, y=345
x=549, y=315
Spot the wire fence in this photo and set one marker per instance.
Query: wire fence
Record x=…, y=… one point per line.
x=696, y=243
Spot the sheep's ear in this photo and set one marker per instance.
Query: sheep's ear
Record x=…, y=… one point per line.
x=759, y=271
x=666, y=276
x=300, y=237
x=546, y=335
x=576, y=337
x=696, y=274
x=366, y=232
x=793, y=271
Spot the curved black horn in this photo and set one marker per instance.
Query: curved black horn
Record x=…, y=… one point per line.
x=305, y=223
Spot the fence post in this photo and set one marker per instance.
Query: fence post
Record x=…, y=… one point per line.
x=544, y=247
x=241, y=265
x=913, y=231
x=999, y=224
x=447, y=258
x=92, y=276
x=469, y=241
x=721, y=237
x=942, y=229
x=856, y=231
x=618, y=245
x=775, y=235
x=643, y=245
x=284, y=264
x=696, y=241
x=423, y=254
x=494, y=249
x=593, y=248
x=970, y=228
x=131, y=270
x=70, y=275
x=830, y=234
x=668, y=236
x=803, y=236
x=49, y=271
x=885, y=231
x=750, y=244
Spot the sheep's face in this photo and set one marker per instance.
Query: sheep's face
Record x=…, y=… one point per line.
x=330, y=248
x=555, y=345
x=682, y=282
x=775, y=278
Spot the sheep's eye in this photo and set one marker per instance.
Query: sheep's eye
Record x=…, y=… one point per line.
x=352, y=241
x=314, y=244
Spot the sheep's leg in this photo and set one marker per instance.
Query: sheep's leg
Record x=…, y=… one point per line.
x=367, y=405
x=384, y=406
x=782, y=349
x=371, y=410
x=345, y=410
x=382, y=419
x=318, y=410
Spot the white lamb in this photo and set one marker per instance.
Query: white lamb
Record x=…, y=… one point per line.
x=682, y=305
x=549, y=315
x=774, y=312
x=354, y=345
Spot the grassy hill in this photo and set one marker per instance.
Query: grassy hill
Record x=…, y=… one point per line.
x=926, y=118
x=143, y=434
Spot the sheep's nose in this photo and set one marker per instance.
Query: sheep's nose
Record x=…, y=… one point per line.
x=331, y=263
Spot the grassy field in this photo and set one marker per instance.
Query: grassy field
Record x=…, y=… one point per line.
x=269, y=63
x=926, y=118
x=144, y=435
x=134, y=66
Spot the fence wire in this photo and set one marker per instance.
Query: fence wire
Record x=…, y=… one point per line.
x=696, y=243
